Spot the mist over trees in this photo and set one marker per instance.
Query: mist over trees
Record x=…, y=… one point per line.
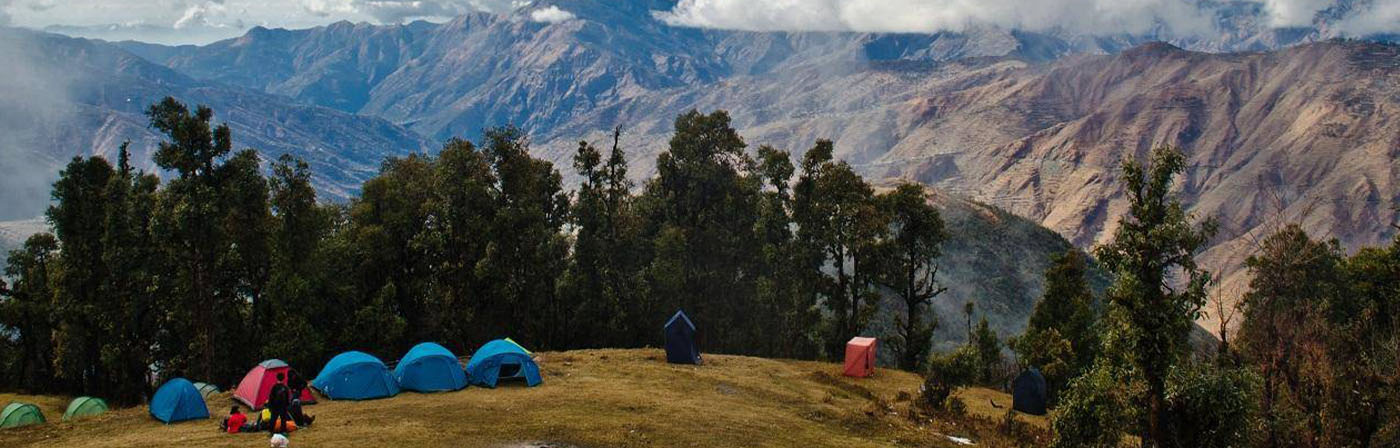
x=220, y=266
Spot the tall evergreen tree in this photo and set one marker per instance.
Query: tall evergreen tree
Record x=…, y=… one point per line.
x=1153, y=244
x=129, y=315
x=838, y=217
x=292, y=302
x=390, y=240
x=1060, y=339
x=78, y=215
x=1294, y=278
x=462, y=210
x=1363, y=404
x=206, y=309
x=601, y=279
x=786, y=297
x=911, y=259
x=26, y=308
x=700, y=211
x=527, y=248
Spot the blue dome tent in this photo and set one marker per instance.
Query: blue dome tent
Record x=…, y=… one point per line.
x=177, y=400
x=429, y=367
x=501, y=359
x=1028, y=392
x=355, y=376
x=680, y=340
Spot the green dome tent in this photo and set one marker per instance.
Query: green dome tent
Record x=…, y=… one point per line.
x=84, y=407
x=206, y=390
x=20, y=414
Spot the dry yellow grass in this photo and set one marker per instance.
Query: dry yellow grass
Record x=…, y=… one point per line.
x=590, y=398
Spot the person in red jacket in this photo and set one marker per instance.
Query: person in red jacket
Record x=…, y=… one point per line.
x=235, y=420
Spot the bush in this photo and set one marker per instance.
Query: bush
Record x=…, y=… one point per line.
x=1211, y=407
x=1095, y=411
x=948, y=373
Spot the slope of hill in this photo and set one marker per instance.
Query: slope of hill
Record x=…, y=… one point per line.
x=82, y=97
x=594, y=398
x=1309, y=134
x=991, y=258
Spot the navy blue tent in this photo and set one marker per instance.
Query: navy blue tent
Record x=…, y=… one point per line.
x=355, y=376
x=1028, y=392
x=680, y=340
x=177, y=400
x=502, y=359
x=429, y=367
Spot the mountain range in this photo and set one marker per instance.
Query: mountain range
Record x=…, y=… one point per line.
x=1279, y=125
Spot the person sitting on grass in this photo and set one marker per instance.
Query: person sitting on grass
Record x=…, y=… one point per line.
x=277, y=402
x=235, y=421
x=299, y=417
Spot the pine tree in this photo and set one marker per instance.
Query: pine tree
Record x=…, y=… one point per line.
x=912, y=269
x=1060, y=338
x=783, y=292
x=527, y=247
x=988, y=352
x=129, y=315
x=601, y=278
x=1293, y=278
x=78, y=215
x=292, y=300
x=1155, y=242
x=26, y=307
x=700, y=211
x=203, y=331
x=838, y=217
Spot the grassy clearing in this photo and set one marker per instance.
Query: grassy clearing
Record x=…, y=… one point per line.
x=591, y=398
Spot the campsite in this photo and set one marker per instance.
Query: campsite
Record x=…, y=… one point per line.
x=589, y=398
x=700, y=223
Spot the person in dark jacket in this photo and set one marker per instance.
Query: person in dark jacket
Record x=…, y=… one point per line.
x=277, y=402
x=297, y=384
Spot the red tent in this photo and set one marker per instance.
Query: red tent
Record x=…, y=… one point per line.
x=860, y=357
x=257, y=384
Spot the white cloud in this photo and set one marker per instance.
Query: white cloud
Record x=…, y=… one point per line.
x=1382, y=17
x=552, y=14
x=1174, y=17
x=1094, y=16
x=222, y=17
x=210, y=14
x=1287, y=13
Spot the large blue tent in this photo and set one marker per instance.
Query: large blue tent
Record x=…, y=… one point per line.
x=1028, y=393
x=680, y=340
x=177, y=400
x=502, y=359
x=355, y=376
x=429, y=367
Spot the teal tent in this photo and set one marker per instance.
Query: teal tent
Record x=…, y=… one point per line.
x=84, y=407
x=177, y=400
x=429, y=367
x=355, y=376
x=502, y=359
x=20, y=414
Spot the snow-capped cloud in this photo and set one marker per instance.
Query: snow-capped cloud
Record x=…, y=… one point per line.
x=552, y=14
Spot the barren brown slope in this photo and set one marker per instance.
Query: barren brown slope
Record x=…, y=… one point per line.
x=592, y=398
x=1309, y=134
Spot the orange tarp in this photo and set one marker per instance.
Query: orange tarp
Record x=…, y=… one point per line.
x=860, y=357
